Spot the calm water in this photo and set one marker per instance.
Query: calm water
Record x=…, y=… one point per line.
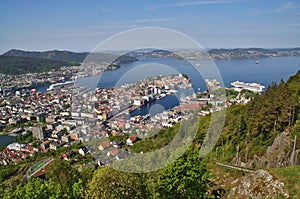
x=6, y=140
x=267, y=71
x=157, y=106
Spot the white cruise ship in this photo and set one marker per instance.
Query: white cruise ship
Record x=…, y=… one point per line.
x=254, y=87
x=60, y=85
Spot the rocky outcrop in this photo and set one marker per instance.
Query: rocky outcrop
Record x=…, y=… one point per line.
x=277, y=155
x=258, y=184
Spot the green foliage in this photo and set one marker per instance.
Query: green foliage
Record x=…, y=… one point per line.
x=247, y=93
x=109, y=183
x=159, y=140
x=20, y=65
x=291, y=178
x=38, y=188
x=121, y=138
x=24, y=139
x=56, y=55
x=6, y=171
x=230, y=93
x=255, y=125
x=62, y=174
x=187, y=177
x=70, y=57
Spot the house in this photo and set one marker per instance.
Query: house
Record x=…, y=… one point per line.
x=52, y=125
x=15, y=146
x=83, y=151
x=103, y=146
x=66, y=138
x=130, y=140
x=56, y=145
x=45, y=145
x=113, y=152
x=68, y=155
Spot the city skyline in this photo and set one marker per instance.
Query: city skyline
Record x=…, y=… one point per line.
x=80, y=26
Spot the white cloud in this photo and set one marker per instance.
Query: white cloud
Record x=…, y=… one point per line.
x=147, y=20
x=104, y=9
x=193, y=3
x=284, y=7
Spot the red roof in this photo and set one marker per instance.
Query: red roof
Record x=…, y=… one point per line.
x=114, y=152
x=132, y=138
x=105, y=144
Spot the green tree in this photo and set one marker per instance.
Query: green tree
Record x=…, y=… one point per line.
x=187, y=177
x=62, y=174
x=110, y=183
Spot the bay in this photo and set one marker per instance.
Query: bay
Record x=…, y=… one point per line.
x=267, y=71
x=6, y=140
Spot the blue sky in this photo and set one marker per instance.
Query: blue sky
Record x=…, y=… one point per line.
x=79, y=25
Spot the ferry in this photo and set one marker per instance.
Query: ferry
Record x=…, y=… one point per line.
x=60, y=85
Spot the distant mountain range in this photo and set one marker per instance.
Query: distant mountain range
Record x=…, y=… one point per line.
x=20, y=65
x=244, y=53
x=18, y=61
x=217, y=54
x=67, y=56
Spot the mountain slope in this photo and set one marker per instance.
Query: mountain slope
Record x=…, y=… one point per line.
x=256, y=134
x=20, y=65
x=71, y=57
x=65, y=56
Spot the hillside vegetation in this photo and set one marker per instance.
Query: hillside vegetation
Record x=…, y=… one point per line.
x=71, y=57
x=20, y=65
x=253, y=127
x=248, y=130
x=65, y=56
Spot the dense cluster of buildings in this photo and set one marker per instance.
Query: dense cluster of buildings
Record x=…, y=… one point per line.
x=11, y=83
x=16, y=153
x=70, y=114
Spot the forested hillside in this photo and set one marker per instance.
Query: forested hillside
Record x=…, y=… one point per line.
x=20, y=65
x=253, y=127
x=248, y=131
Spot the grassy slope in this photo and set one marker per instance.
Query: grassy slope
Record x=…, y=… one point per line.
x=291, y=178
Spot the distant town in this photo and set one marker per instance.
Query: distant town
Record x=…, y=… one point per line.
x=68, y=114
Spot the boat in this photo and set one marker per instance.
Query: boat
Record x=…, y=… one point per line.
x=254, y=87
x=198, y=65
x=60, y=85
x=257, y=62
